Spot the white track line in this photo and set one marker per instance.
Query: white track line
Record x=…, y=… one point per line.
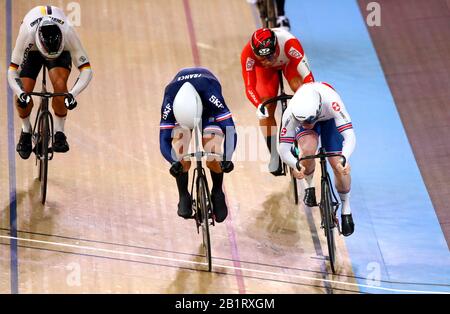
x=81, y=247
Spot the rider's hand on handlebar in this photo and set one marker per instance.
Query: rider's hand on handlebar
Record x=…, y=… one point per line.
x=176, y=169
x=299, y=173
x=343, y=170
x=261, y=112
x=70, y=102
x=227, y=166
x=23, y=100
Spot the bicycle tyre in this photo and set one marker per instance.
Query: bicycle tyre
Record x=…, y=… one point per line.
x=202, y=199
x=43, y=171
x=327, y=208
x=261, y=5
x=294, y=187
x=271, y=14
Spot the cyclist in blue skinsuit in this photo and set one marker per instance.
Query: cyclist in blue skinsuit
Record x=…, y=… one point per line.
x=197, y=85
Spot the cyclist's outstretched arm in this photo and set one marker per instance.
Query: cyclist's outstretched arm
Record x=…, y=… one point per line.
x=297, y=56
x=223, y=118
x=230, y=141
x=249, y=76
x=287, y=139
x=166, y=126
x=24, y=42
x=349, y=142
x=81, y=60
x=344, y=125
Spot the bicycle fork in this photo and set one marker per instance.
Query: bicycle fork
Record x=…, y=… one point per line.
x=326, y=180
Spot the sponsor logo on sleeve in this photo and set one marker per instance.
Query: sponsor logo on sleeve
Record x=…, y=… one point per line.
x=344, y=117
x=283, y=131
x=216, y=102
x=166, y=111
x=294, y=53
x=252, y=95
x=249, y=64
x=82, y=59
x=336, y=106
x=288, y=120
x=25, y=55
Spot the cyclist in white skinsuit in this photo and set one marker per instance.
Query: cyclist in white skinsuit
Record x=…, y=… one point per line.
x=47, y=39
x=317, y=110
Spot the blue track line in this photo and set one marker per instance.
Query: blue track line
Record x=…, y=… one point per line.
x=12, y=160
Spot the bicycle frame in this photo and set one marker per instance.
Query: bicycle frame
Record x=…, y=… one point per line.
x=42, y=113
x=283, y=97
x=199, y=171
x=205, y=216
x=42, y=133
x=328, y=204
x=325, y=176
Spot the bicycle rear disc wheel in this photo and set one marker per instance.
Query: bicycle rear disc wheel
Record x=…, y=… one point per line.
x=329, y=225
x=43, y=171
x=202, y=198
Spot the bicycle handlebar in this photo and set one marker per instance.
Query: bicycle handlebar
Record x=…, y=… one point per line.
x=325, y=155
x=48, y=95
x=275, y=99
x=200, y=155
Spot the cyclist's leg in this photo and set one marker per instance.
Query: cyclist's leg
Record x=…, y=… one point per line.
x=59, y=71
x=181, y=139
x=307, y=141
x=267, y=87
x=332, y=141
x=28, y=74
x=212, y=143
x=180, y=143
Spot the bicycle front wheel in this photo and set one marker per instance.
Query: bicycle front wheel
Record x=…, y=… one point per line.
x=327, y=209
x=294, y=186
x=271, y=14
x=202, y=199
x=44, y=131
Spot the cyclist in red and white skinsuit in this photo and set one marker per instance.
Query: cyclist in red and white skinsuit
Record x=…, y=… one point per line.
x=267, y=52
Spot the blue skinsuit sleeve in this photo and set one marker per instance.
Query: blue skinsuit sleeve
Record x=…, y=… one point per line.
x=166, y=126
x=230, y=140
x=223, y=119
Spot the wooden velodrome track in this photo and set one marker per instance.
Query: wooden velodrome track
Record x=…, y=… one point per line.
x=110, y=222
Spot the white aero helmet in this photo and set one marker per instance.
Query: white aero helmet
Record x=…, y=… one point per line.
x=187, y=106
x=306, y=105
x=49, y=38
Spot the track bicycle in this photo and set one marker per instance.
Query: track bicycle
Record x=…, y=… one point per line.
x=329, y=203
x=202, y=206
x=283, y=98
x=42, y=135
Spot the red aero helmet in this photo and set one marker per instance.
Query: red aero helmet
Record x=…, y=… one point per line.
x=264, y=42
